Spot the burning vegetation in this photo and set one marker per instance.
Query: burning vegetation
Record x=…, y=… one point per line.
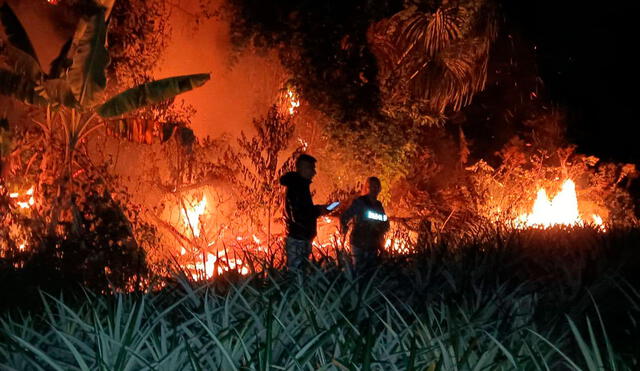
x=498, y=225
x=212, y=207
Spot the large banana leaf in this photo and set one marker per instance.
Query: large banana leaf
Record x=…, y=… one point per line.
x=150, y=93
x=87, y=76
x=62, y=62
x=19, y=87
x=20, y=62
x=15, y=32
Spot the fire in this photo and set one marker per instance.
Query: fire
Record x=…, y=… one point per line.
x=28, y=202
x=192, y=216
x=294, y=101
x=213, y=265
x=397, y=246
x=561, y=210
x=207, y=264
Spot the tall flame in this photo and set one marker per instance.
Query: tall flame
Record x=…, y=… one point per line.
x=561, y=210
x=192, y=216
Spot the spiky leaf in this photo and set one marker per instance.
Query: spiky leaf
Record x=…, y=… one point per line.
x=151, y=93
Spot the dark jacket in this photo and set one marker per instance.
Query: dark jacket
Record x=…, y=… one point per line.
x=366, y=233
x=300, y=213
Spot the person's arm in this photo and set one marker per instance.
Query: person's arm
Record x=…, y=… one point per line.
x=347, y=215
x=386, y=225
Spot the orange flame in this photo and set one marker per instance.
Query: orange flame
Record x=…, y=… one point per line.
x=24, y=204
x=294, y=101
x=192, y=216
x=208, y=264
x=561, y=210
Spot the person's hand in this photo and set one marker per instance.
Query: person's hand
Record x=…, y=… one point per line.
x=324, y=210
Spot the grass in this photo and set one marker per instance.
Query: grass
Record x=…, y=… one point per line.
x=531, y=300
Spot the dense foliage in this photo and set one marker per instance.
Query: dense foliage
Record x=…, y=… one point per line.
x=323, y=44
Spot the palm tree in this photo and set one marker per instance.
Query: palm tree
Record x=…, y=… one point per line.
x=434, y=56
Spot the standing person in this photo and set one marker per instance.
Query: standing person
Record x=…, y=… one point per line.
x=370, y=223
x=300, y=213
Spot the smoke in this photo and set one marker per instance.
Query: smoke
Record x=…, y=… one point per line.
x=242, y=86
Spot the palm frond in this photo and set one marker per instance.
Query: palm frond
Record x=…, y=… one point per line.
x=442, y=29
x=436, y=59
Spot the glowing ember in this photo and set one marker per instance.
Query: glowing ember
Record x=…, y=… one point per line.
x=28, y=202
x=216, y=265
x=303, y=143
x=397, y=246
x=561, y=210
x=294, y=102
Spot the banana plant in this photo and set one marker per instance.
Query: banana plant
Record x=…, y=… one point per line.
x=72, y=91
x=76, y=81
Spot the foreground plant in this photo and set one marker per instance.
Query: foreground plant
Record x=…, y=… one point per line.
x=323, y=320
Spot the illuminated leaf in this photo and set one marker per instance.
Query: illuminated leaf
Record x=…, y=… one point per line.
x=150, y=93
x=87, y=76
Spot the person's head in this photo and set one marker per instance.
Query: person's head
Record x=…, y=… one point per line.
x=306, y=166
x=372, y=187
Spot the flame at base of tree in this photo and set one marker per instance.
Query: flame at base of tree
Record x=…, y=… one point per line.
x=561, y=210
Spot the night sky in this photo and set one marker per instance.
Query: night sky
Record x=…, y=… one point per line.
x=586, y=56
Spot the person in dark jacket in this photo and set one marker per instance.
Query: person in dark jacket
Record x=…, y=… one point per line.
x=300, y=214
x=370, y=223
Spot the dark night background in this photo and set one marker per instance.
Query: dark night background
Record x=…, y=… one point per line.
x=586, y=57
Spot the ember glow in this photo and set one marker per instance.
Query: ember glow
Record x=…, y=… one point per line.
x=293, y=100
x=561, y=210
x=24, y=201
